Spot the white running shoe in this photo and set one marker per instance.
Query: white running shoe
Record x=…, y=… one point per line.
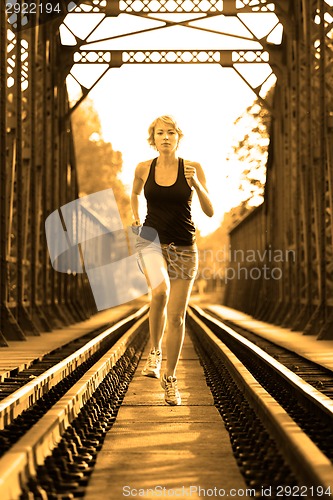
x=172, y=396
x=152, y=367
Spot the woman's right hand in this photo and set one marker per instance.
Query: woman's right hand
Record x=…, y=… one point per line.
x=136, y=226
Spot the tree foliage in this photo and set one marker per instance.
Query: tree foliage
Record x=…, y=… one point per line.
x=252, y=151
x=98, y=165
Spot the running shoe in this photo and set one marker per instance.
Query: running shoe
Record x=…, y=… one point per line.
x=152, y=367
x=172, y=396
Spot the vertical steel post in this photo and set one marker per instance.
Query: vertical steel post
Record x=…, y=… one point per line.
x=3, y=184
x=10, y=265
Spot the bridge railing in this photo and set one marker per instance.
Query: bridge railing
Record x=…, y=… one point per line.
x=244, y=275
x=295, y=224
x=37, y=176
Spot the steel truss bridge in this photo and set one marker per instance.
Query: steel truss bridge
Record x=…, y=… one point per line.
x=38, y=170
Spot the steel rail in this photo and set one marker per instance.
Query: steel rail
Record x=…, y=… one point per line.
x=309, y=464
x=26, y=396
x=324, y=403
x=21, y=461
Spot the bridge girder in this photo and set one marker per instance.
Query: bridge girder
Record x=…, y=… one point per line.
x=297, y=214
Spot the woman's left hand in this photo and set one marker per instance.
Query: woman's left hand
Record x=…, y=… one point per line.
x=190, y=172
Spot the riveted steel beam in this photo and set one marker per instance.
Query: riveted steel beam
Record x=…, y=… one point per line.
x=116, y=58
x=147, y=7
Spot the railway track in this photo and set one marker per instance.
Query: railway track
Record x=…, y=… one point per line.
x=294, y=412
x=12, y=380
x=34, y=417
x=59, y=430
x=26, y=388
x=280, y=370
x=318, y=376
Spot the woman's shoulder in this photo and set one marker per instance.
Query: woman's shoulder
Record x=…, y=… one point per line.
x=143, y=167
x=145, y=164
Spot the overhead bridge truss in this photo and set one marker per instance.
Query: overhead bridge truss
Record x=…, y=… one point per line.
x=171, y=13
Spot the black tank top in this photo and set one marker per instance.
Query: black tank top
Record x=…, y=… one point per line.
x=169, y=208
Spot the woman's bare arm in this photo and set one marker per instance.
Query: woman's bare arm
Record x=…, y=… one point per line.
x=136, y=191
x=196, y=177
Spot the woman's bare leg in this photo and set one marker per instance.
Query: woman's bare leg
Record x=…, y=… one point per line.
x=156, y=273
x=180, y=291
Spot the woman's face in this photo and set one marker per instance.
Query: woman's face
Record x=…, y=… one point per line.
x=166, y=138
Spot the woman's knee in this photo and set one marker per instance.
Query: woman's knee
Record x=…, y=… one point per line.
x=176, y=319
x=160, y=294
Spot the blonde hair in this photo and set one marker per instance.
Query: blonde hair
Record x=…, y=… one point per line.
x=166, y=119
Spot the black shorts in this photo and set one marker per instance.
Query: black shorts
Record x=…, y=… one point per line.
x=181, y=261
